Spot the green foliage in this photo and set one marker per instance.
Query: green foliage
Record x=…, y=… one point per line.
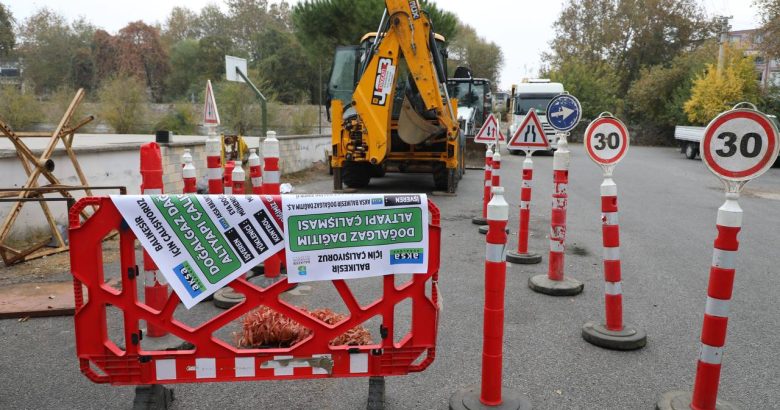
x=47, y=47
x=239, y=110
x=484, y=58
x=769, y=10
x=180, y=119
x=7, y=35
x=285, y=65
x=123, y=104
x=629, y=35
x=714, y=92
x=185, y=58
x=18, y=110
x=321, y=25
x=658, y=95
x=303, y=118
x=594, y=84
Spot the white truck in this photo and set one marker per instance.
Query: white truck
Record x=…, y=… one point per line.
x=690, y=137
x=533, y=93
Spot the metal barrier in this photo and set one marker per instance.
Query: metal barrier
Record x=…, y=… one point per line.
x=204, y=357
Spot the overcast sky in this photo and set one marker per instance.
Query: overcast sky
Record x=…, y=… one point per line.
x=523, y=28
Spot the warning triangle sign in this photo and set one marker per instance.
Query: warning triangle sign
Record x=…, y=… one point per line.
x=530, y=134
x=489, y=132
x=210, y=113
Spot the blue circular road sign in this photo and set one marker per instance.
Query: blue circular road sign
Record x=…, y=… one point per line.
x=564, y=112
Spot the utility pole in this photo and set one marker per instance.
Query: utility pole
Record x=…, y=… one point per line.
x=724, y=36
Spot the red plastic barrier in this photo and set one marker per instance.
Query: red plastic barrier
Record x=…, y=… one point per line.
x=211, y=359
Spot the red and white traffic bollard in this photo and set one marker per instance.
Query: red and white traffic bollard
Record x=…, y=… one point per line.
x=495, y=180
x=189, y=174
x=522, y=256
x=716, y=315
x=491, y=392
x=239, y=177
x=228, y=177
x=155, y=286
x=555, y=283
x=214, y=163
x=482, y=220
x=271, y=179
x=613, y=334
x=255, y=173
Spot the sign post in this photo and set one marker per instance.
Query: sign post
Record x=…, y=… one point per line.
x=563, y=114
x=606, y=142
x=489, y=134
x=213, y=144
x=738, y=146
x=530, y=138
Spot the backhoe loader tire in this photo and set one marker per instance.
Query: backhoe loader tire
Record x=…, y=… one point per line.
x=356, y=175
x=445, y=179
x=378, y=171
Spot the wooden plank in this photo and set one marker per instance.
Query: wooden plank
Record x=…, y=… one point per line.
x=37, y=300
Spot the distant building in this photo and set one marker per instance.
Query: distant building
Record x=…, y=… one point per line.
x=767, y=69
x=10, y=73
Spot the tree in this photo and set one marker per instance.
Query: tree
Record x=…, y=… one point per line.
x=484, y=58
x=17, y=109
x=7, y=35
x=181, y=24
x=185, y=60
x=629, y=35
x=140, y=54
x=321, y=25
x=770, y=28
x=123, y=104
x=47, y=47
x=594, y=84
x=284, y=64
x=237, y=106
x=714, y=92
x=658, y=95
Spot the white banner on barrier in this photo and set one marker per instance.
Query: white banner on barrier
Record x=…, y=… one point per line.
x=201, y=243
x=355, y=236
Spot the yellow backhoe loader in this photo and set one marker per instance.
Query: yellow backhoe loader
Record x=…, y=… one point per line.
x=389, y=106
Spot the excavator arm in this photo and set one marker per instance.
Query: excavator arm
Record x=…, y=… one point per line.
x=407, y=34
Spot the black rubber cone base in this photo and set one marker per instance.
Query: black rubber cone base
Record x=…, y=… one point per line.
x=529, y=258
x=468, y=398
x=226, y=298
x=630, y=338
x=478, y=220
x=260, y=270
x=154, y=396
x=565, y=287
x=483, y=230
x=681, y=400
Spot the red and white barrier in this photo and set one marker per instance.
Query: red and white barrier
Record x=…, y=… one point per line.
x=214, y=163
x=555, y=283
x=482, y=220
x=271, y=180
x=522, y=256
x=228, y=177
x=495, y=180
x=716, y=311
x=491, y=392
x=255, y=172
x=155, y=286
x=613, y=334
x=189, y=174
x=239, y=177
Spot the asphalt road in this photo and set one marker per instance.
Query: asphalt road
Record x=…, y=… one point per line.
x=667, y=220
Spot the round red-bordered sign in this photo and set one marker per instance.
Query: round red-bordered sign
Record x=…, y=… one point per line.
x=606, y=140
x=739, y=144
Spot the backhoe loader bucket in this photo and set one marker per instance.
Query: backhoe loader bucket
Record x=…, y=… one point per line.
x=475, y=154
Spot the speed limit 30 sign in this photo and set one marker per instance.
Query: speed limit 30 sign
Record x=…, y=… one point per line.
x=606, y=140
x=740, y=144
